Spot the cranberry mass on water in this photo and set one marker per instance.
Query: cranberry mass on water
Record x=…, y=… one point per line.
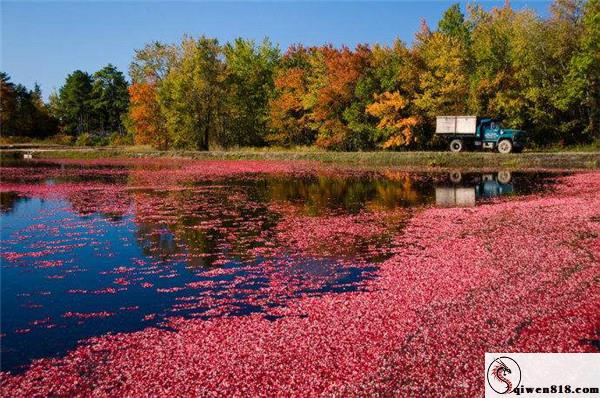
x=267, y=278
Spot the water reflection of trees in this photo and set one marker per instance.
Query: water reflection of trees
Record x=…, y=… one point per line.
x=109, y=202
x=9, y=200
x=205, y=221
x=316, y=195
x=200, y=225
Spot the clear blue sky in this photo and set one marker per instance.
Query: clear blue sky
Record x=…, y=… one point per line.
x=44, y=41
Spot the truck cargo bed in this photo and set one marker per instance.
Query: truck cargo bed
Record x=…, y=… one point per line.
x=465, y=125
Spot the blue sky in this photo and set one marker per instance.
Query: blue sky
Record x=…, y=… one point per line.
x=44, y=41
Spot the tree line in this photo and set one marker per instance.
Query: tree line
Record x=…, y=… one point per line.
x=23, y=112
x=537, y=74
x=85, y=106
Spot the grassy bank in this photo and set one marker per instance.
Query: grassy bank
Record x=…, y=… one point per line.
x=443, y=160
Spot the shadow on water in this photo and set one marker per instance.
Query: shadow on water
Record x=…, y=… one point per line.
x=90, y=262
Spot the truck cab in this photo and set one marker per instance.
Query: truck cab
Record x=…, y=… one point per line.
x=491, y=134
x=464, y=132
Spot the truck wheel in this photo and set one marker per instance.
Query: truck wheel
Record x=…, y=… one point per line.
x=457, y=145
x=504, y=177
x=456, y=177
x=505, y=146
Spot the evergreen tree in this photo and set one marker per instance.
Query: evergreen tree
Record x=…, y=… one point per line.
x=109, y=99
x=7, y=102
x=23, y=111
x=74, y=108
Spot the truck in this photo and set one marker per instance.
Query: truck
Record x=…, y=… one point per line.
x=472, y=132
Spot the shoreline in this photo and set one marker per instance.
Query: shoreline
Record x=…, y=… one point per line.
x=405, y=160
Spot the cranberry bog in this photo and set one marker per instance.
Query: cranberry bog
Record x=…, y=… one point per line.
x=145, y=277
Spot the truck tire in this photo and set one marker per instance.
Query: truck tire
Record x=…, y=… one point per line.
x=505, y=146
x=457, y=145
x=504, y=177
x=456, y=177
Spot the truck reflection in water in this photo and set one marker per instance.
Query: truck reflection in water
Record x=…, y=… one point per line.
x=462, y=191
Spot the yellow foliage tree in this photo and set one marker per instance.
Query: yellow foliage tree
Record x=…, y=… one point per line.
x=396, y=129
x=444, y=80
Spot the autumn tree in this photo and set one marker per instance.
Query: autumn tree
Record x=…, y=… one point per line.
x=148, y=69
x=153, y=63
x=537, y=73
x=396, y=128
x=331, y=93
x=288, y=109
x=394, y=80
x=145, y=116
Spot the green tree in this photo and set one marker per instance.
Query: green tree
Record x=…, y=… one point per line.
x=109, y=98
x=583, y=80
x=7, y=101
x=521, y=67
x=192, y=95
x=249, y=84
x=44, y=124
x=23, y=121
x=444, y=78
x=152, y=63
x=73, y=108
x=453, y=24
x=496, y=86
x=23, y=111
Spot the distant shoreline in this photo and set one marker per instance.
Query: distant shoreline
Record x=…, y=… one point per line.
x=407, y=160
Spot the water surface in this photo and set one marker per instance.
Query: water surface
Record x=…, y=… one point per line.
x=89, y=249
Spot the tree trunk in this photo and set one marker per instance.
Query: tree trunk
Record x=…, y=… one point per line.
x=206, y=131
x=594, y=120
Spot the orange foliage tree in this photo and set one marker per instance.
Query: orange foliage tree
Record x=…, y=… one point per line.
x=332, y=92
x=145, y=116
x=288, y=113
x=396, y=129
